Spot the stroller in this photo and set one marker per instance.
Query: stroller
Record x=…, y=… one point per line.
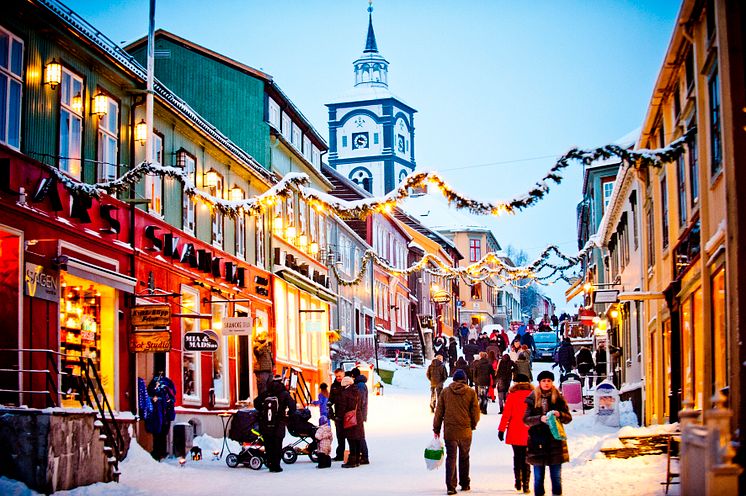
x=305, y=431
x=245, y=430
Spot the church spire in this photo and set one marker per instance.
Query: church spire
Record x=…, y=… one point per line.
x=371, y=69
x=370, y=42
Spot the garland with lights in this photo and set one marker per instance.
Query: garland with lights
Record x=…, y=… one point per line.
x=487, y=269
x=358, y=209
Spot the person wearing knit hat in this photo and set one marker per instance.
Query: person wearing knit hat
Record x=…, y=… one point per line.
x=458, y=413
x=543, y=405
x=512, y=421
x=324, y=437
x=437, y=374
x=350, y=410
x=347, y=381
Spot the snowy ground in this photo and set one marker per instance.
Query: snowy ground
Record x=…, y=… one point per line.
x=398, y=428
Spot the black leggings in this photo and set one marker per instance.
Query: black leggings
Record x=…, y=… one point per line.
x=519, y=458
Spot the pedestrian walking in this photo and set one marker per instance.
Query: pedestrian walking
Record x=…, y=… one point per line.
x=503, y=376
x=461, y=364
x=503, y=340
x=350, y=410
x=161, y=394
x=585, y=363
x=437, y=374
x=336, y=415
x=512, y=422
x=515, y=348
x=492, y=358
x=528, y=340
x=543, y=449
x=473, y=332
x=452, y=354
x=361, y=383
x=274, y=405
x=470, y=351
x=440, y=347
x=463, y=334
x=458, y=413
x=522, y=365
x=323, y=401
x=264, y=362
x=566, y=357
x=483, y=373
x=600, y=363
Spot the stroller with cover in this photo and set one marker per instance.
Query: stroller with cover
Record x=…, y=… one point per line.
x=245, y=430
x=305, y=431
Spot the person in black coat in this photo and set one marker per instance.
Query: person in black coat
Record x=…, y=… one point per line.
x=273, y=431
x=585, y=362
x=334, y=395
x=162, y=393
x=362, y=386
x=470, y=349
x=484, y=374
x=504, y=375
x=461, y=364
x=452, y=354
x=440, y=347
x=566, y=356
x=349, y=401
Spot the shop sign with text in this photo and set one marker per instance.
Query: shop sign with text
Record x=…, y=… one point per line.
x=150, y=341
x=151, y=315
x=237, y=326
x=200, y=341
x=41, y=283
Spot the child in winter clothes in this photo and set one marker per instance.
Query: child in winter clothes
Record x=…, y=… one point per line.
x=323, y=401
x=512, y=420
x=324, y=437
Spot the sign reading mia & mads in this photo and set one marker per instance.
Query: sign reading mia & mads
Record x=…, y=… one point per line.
x=200, y=341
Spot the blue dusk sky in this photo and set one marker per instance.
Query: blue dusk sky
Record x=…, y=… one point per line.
x=502, y=87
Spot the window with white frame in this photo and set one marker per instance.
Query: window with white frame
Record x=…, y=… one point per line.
x=154, y=182
x=607, y=189
x=316, y=157
x=108, y=142
x=240, y=232
x=297, y=137
x=274, y=113
x=11, y=88
x=259, y=242
x=71, y=123
x=307, y=148
x=287, y=125
x=188, y=165
x=190, y=385
x=217, y=216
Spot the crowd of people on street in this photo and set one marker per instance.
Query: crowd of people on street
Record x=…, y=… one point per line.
x=491, y=369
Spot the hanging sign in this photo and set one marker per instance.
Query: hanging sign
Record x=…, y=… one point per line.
x=237, y=326
x=150, y=341
x=200, y=341
x=606, y=296
x=41, y=283
x=151, y=315
x=441, y=297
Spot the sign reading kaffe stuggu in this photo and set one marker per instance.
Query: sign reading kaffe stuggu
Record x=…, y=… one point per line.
x=151, y=316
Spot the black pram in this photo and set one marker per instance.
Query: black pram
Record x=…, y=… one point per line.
x=305, y=431
x=245, y=430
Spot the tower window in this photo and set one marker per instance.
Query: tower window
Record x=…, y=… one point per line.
x=363, y=178
x=375, y=138
x=344, y=141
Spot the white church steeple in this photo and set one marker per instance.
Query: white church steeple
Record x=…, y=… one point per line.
x=371, y=69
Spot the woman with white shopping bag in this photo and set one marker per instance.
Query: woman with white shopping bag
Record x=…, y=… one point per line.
x=458, y=413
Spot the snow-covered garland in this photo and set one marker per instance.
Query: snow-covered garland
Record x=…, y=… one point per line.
x=359, y=209
x=487, y=269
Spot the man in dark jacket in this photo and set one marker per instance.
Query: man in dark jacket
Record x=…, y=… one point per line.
x=336, y=415
x=463, y=334
x=452, y=354
x=566, y=356
x=483, y=373
x=274, y=405
x=528, y=340
x=458, y=413
x=437, y=375
x=362, y=387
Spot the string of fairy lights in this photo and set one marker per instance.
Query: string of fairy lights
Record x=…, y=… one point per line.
x=491, y=269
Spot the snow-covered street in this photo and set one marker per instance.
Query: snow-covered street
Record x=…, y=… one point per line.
x=399, y=427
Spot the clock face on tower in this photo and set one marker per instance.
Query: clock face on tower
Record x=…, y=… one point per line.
x=359, y=140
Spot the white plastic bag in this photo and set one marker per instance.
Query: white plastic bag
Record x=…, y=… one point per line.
x=434, y=454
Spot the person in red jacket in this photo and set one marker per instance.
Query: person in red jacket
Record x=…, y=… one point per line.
x=512, y=420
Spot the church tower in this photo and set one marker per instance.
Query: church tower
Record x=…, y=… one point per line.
x=371, y=131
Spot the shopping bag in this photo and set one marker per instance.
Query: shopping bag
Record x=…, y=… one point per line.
x=434, y=454
x=556, y=427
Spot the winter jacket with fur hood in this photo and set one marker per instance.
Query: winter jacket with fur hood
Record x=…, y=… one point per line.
x=457, y=412
x=436, y=373
x=512, y=419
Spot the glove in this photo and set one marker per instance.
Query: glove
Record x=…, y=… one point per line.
x=501, y=435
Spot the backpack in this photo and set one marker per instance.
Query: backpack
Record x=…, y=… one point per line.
x=271, y=411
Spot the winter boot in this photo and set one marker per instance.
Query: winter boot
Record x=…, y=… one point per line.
x=518, y=477
x=526, y=478
x=352, y=462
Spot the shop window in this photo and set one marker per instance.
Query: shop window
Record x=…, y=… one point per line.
x=280, y=305
x=188, y=164
x=108, y=142
x=719, y=336
x=11, y=88
x=190, y=359
x=292, y=325
x=154, y=182
x=476, y=291
x=71, y=123
x=220, y=380
x=87, y=312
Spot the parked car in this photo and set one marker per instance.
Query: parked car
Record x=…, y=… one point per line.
x=546, y=344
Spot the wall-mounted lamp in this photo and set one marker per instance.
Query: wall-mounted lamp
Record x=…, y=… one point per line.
x=211, y=178
x=141, y=132
x=277, y=225
x=587, y=287
x=314, y=248
x=236, y=193
x=614, y=314
x=76, y=103
x=303, y=241
x=53, y=74
x=290, y=233
x=100, y=105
